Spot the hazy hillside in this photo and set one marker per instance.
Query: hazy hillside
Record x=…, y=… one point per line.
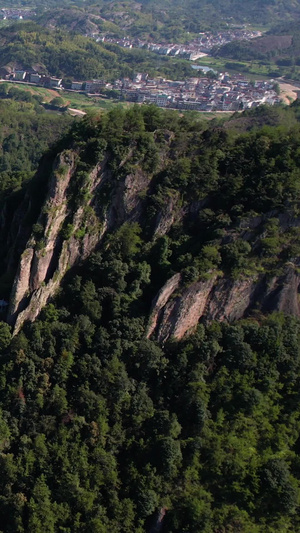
x=171, y=20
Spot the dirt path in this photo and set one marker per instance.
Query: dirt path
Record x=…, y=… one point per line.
x=288, y=93
x=75, y=112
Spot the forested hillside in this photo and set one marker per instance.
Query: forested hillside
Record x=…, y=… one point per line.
x=109, y=425
x=72, y=55
x=280, y=45
x=26, y=132
x=199, y=14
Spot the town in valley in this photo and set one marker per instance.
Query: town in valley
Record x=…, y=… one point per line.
x=208, y=91
x=223, y=92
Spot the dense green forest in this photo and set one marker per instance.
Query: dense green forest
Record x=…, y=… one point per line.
x=104, y=430
x=26, y=132
x=100, y=428
x=72, y=55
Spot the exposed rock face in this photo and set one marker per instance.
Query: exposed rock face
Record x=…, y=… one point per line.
x=230, y=299
x=161, y=300
x=182, y=314
x=16, y=220
x=283, y=294
x=44, y=262
x=167, y=216
x=219, y=299
x=49, y=252
x=50, y=233
x=127, y=199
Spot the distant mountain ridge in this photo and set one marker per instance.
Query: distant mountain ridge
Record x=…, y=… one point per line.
x=167, y=19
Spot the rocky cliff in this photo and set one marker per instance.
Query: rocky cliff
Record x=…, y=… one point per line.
x=223, y=262
x=176, y=311
x=50, y=251
x=66, y=230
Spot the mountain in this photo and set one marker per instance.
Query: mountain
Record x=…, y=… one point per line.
x=203, y=12
x=154, y=191
x=168, y=21
x=150, y=360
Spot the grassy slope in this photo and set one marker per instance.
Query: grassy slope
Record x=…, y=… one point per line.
x=72, y=99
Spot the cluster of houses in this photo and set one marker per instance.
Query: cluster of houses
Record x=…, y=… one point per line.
x=192, y=50
x=221, y=93
x=31, y=77
x=226, y=93
x=51, y=82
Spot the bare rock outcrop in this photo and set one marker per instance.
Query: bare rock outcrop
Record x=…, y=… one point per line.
x=67, y=231
x=160, y=301
x=220, y=299
x=181, y=315
x=230, y=299
x=282, y=293
x=128, y=198
x=49, y=253
x=167, y=216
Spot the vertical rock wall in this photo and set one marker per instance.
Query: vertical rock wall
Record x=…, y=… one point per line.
x=47, y=256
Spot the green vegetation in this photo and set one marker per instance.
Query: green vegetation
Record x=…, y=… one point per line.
x=101, y=428
x=252, y=70
x=41, y=95
x=160, y=20
x=71, y=55
x=91, y=103
x=26, y=132
x=277, y=53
